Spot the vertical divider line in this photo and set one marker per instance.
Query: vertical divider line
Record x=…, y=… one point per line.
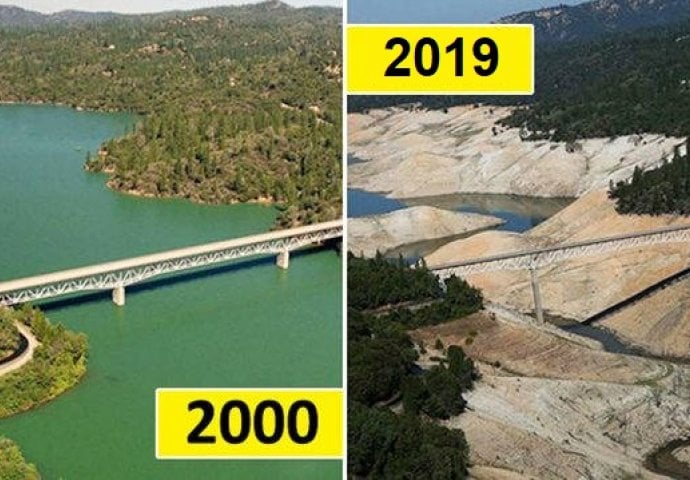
x=344, y=247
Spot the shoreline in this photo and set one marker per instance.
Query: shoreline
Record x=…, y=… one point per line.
x=390, y=194
x=263, y=201
x=46, y=400
x=385, y=232
x=140, y=194
x=73, y=106
x=37, y=380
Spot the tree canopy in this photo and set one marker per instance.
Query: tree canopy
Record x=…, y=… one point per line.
x=662, y=190
x=9, y=335
x=382, y=444
x=386, y=299
x=57, y=365
x=237, y=104
x=13, y=466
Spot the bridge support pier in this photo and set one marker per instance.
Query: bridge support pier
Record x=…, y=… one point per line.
x=119, y=296
x=283, y=259
x=537, y=294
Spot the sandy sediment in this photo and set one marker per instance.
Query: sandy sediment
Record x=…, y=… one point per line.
x=384, y=232
x=582, y=287
x=547, y=406
x=554, y=429
x=550, y=409
x=525, y=351
x=491, y=473
x=415, y=154
x=660, y=322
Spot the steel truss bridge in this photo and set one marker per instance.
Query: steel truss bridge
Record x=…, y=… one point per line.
x=119, y=274
x=535, y=259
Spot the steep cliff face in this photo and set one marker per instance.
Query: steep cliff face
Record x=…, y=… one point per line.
x=588, y=20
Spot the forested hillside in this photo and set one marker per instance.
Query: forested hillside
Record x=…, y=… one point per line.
x=563, y=23
x=385, y=300
x=238, y=103
x=58, y=363
x=11, y=16
x=630, y=83
x=662, y=190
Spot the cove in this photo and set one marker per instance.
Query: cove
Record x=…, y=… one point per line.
x=245, y=325
x=519, y=213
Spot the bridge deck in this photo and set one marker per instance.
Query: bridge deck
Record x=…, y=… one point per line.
x=534, y=253
x=119, y=265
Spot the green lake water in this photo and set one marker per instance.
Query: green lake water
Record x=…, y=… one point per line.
x=248, y=325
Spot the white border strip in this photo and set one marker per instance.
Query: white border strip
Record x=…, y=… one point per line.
x=344, y=249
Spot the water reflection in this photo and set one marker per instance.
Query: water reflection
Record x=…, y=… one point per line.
x=519, y=213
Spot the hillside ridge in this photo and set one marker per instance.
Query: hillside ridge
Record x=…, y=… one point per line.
x=564, y=23
x=12, y=16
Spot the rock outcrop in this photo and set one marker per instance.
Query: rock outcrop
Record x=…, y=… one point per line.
x=384, y=232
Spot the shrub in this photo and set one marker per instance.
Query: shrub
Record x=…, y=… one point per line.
x=58, y=364
x=12, y=463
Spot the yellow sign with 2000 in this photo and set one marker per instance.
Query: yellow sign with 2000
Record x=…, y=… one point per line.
x=249, y=423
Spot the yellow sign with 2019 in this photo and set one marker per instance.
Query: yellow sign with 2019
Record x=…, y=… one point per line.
x=249, y=423
x=426, y=59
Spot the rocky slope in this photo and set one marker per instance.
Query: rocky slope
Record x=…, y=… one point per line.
x=660, y=322
x=424, y=153
x=366, y=235
x=550, y=409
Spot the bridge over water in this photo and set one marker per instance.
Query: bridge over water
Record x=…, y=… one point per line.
x=119, y=274
x=534, y=259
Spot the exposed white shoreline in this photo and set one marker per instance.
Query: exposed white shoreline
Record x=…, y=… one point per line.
x=428, y=153
x=385, y=232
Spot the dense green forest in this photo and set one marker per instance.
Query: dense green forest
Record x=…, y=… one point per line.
x=587, y=20
x=387, y=283
x=384, y=445
x=662, y=190
x=385, y=300
x=237, y=104
x=58, y=364
x=13, y=466
x=625, y=83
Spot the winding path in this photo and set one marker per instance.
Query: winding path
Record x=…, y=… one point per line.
x=25, y=357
